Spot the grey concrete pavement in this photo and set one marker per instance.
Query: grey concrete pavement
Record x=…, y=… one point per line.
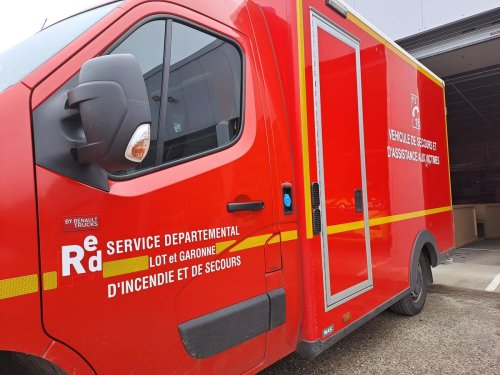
x=474, y=267
x=457, y=333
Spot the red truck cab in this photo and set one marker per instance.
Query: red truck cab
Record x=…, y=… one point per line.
x=198, y=186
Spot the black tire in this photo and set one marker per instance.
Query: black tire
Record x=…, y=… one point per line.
x=13, y=363
x=414, y=303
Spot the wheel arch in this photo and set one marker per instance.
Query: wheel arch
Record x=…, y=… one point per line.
x=425, y=243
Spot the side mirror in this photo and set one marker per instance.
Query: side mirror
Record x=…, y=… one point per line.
x=114, y=110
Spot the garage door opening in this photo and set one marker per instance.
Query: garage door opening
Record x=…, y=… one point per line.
x=466, y=54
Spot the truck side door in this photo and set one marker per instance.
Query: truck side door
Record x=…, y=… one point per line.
x=160, y=268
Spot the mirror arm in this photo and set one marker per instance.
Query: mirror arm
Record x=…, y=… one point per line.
x=80, y=94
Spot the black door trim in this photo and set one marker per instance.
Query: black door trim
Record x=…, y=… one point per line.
x=223, y=329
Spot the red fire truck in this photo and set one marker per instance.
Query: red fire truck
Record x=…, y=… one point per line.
x=207, y=186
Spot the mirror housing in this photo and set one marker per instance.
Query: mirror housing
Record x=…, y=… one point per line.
x=114, y=110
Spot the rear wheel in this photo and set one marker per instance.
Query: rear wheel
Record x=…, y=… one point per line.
x=413, y=303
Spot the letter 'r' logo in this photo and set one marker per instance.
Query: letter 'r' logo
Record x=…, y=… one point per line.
x=415, y=111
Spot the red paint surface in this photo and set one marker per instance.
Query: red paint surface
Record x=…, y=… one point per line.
x=393, y=186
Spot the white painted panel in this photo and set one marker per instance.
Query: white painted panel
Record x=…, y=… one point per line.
x=464, y=217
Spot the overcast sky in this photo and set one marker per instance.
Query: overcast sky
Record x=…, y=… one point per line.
x=20, y=19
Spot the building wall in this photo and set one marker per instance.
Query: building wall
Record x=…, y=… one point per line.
x=401, y=18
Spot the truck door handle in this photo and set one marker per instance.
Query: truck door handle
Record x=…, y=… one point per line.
x=358, y=200
x=245, y=206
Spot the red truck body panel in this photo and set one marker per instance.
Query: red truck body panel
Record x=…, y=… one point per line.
x=399, y=191
x=327, y=101
x=19, y=298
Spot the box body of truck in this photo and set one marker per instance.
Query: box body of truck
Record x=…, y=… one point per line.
x=296, y=177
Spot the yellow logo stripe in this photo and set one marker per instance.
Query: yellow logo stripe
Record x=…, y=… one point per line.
x=49, y=280
x=346, y=227
x=284, y=236
x=124, y=266
x=303, y=118
x=18, y=286
x=289, y=235
x=251, y=242
x=256, y=241
x=221, y=246
x=276, y=239
x=409, y=215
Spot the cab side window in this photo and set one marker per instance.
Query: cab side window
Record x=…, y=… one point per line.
x=194, y=89
x=204, y=94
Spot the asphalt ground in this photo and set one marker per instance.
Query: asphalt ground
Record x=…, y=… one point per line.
x=458, y=332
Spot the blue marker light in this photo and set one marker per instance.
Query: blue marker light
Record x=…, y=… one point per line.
x=287, y=200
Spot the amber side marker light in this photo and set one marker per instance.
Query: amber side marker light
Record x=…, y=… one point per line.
x=346, y=317
x=138, y=145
